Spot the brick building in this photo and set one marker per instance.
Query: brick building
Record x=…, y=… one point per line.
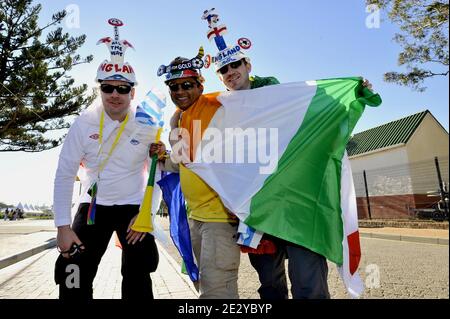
x=399, y=161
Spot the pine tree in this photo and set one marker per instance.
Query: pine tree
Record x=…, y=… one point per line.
x=36, y=93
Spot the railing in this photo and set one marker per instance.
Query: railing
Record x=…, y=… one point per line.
x=403, y=191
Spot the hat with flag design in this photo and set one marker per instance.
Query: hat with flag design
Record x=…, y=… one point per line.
x=116, y=68
x=226, y=54
x=183, y=68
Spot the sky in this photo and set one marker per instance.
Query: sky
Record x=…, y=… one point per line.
x=291, y=40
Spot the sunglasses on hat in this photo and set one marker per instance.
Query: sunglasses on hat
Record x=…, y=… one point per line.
x=121, y=89
x=233, y=65
x=173, y=87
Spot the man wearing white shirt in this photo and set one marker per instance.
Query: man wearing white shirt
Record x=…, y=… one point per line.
x=109, y=152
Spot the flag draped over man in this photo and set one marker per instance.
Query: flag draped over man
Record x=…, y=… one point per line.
x=287, y=175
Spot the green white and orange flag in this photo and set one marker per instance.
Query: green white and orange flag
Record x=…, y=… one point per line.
x=276, y=157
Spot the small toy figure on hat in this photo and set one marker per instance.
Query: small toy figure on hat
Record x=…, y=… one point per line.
x=116, y=69
x=226, y=54
x=215, y=31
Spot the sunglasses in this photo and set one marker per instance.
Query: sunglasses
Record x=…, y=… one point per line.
x=233, y=65
x=174, y=87
x=121, y=89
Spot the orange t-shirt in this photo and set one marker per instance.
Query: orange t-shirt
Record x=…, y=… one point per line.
x=204, y=203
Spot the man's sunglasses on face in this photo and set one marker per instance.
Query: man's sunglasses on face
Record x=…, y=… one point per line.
x=174, y=87
x=121, y=89
x=233, y=65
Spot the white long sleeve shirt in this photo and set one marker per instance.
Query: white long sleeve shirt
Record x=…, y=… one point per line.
x=124, y=177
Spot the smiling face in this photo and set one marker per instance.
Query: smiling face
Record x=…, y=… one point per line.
x=237, y=79
x=184, y=95
x=116, y=105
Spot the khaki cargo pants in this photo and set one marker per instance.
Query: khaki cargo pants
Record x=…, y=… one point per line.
x=218, y=257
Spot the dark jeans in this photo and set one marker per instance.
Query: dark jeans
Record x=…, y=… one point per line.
x=308, y=272
x=271, y=273
x=138, y=260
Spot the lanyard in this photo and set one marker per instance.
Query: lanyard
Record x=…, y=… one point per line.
x=94, y=187
x=116, y=140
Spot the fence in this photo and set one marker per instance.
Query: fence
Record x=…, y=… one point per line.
x=403, y=191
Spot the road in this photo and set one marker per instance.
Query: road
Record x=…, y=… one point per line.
x=389, y=269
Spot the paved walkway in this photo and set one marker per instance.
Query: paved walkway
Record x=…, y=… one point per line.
x=427, y=236
x=417, y=232
x=32, y=277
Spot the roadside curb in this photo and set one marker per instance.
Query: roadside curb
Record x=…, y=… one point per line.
x=12, y=259
x=415, y=239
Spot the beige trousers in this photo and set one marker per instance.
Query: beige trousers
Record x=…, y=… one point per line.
x=218, y=257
